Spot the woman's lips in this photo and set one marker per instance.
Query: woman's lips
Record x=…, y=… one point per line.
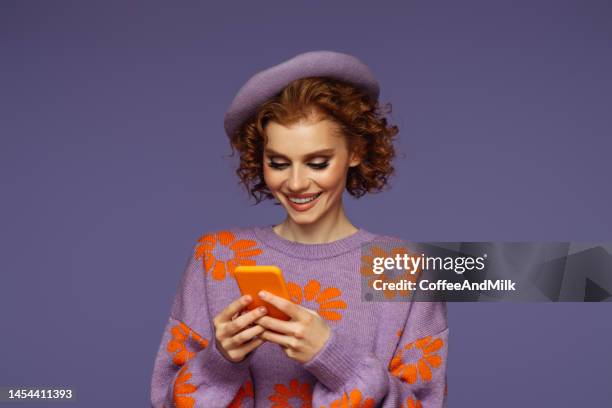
x=304, y=206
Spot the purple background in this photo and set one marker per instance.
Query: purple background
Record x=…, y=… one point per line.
x=111, y=152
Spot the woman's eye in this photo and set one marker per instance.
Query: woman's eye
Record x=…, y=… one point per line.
x=319, y=166
x=284, y=165
x=276, y=165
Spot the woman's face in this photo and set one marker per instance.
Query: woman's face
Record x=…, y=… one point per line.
x=305, y=168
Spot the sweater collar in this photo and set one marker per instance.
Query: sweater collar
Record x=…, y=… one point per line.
x=312, y=251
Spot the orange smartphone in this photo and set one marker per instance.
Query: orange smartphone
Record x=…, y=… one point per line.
x=252, y=279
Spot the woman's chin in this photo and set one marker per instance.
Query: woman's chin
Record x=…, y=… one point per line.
x=302, y=219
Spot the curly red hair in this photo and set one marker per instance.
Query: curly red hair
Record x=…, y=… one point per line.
x=359, y=118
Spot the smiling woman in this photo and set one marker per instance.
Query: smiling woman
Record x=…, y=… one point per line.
x=305, y=170
x=319, y=136
x=306, y=130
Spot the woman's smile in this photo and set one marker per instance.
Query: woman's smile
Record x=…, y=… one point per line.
x=303, y=202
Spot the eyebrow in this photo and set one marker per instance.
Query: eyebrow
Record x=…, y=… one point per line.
x=323, y=152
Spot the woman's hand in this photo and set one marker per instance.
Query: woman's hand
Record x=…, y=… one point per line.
x=234, y=333
x=302, y=337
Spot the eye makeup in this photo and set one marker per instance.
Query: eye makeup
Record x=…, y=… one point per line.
x=315, y=166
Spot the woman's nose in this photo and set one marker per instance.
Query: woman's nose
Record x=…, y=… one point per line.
x=297, y=180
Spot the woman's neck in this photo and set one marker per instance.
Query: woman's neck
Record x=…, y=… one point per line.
x=328, y=229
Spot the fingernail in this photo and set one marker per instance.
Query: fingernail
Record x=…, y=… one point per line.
x=247, y=298
x=262, y=310
x=262, y=294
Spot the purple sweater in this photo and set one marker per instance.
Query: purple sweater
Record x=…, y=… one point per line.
x=388, y=354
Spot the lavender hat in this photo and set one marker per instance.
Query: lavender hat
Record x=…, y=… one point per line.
x=267, y=83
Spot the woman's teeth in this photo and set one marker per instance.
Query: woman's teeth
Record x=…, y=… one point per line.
x=303, y=200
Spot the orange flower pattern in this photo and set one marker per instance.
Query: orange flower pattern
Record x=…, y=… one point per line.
x=221, y=252
x=182, y=335
x=182, y=389
x=367, y=270
x=327, y=304
x=353, y=400
x=410, y=372
x=246, y=391
x=412, y=403
x=283, y=396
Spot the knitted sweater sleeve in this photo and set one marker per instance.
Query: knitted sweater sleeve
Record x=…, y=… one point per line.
x=414, y=378
x=189, y=370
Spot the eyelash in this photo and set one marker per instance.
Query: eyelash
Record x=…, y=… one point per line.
x=314, y=166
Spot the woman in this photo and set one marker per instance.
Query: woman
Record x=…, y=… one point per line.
x=306, y=130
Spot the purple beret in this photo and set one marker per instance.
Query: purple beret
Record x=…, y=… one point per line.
x=267, y=83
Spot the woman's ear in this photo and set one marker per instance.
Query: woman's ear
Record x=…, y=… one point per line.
x=355, y=159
